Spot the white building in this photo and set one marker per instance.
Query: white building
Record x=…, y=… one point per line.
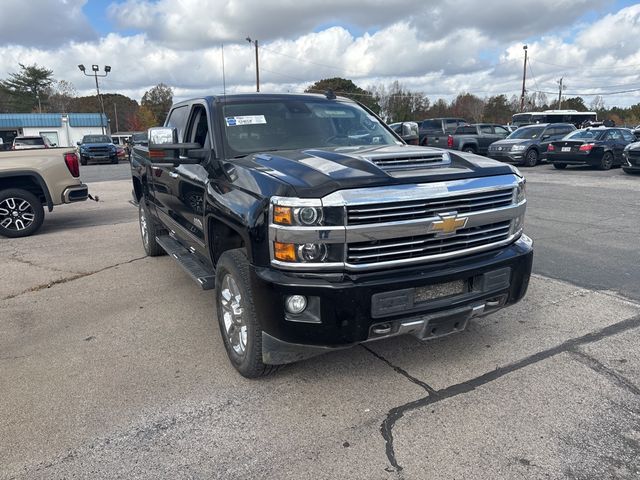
x=62, y=129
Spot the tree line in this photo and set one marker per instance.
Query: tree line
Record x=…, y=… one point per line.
x=396, y=103
x=34, y=89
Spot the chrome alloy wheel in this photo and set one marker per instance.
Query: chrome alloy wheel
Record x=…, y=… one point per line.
x=144, y=229
x=232, y=314
x=16, y=214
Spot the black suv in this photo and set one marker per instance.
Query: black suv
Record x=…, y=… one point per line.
x=528, y=145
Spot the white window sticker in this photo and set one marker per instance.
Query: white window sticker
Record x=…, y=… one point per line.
x=245, y=120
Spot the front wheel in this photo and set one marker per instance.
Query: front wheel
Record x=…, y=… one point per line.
x=607, y=161
x=469, y=150
x=531, y=158
x=21, y=213
x=239, y=325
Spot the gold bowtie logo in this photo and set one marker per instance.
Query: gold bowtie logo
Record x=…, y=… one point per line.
x=448, y=224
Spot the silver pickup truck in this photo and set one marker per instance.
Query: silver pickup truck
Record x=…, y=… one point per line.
x=31, y=179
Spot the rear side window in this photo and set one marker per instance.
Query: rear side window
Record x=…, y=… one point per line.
x=432, y=124
x=178, y=119
x=628, y=136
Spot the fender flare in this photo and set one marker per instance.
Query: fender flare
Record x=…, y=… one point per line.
x=38, y=179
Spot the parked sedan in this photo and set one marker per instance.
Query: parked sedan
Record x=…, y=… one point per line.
x=600, y=147
x=631, y=158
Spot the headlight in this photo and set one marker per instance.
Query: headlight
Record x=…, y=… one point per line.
x=518, y=148
x=303, y=216
x=521, y=191
x=308, y=252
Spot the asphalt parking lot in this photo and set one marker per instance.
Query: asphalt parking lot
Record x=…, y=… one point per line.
x=113, y=367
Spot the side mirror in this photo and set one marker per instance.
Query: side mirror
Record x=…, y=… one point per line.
x=409, y=132
x=545, y=137
x=164, y=146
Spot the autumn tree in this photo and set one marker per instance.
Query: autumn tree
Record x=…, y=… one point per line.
x=346, y=88
x=158, y=101
x=62, y=96
x=468, y=106
x=497, y=109
x=26, y=87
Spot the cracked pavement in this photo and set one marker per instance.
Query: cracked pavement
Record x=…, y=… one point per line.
x=112, y=365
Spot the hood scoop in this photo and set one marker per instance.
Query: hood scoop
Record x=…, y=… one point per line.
x=410, y=160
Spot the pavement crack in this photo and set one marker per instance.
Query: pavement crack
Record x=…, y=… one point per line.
x=401, y=371
x=18, y=259
x=600, y=368
x=571, y=345
x=69, y=279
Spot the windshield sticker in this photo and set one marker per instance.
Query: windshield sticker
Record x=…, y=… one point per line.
x=245, y=120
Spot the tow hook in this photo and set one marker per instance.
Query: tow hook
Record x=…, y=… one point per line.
x=95, y=199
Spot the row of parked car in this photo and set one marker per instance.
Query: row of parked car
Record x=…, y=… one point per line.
x=560, y=144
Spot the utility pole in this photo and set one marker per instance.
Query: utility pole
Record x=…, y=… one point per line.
x=255, y=42
x=560, y=94
x=115, y=115
x=524, y=78
x=95, y=70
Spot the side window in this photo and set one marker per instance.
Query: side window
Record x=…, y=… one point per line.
x=613, y=135
x=551, y=131
x=501, y=130
x=628, y=136
x=178, y=119
x=450, y=125
x=487, y=129
x=198, y=130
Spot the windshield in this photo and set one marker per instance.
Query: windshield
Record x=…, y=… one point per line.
x=293, y=124
x=526, y=133
x=96, y=139
x=585, y=135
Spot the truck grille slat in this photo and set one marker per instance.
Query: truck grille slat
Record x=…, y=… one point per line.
x=399, y=211
x=429, y=244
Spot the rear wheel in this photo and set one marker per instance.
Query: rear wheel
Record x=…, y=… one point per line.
x=560, y=166
x=531, y=158
x=607, y=161
x=21, y=213
x=148, y=231
x=239, y=325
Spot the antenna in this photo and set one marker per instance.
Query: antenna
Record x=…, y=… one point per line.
x=224, y=82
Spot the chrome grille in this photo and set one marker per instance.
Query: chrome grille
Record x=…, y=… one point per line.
x=426, y=245
x=410, y=210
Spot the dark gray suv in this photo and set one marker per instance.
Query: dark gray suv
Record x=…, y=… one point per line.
x=528, y=145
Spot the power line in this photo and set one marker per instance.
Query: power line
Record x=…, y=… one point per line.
x=587, y=67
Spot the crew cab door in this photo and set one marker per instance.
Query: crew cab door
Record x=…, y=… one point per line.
x=180, y=189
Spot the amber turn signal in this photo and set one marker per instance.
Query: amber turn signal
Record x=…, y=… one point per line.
x=282, y=215
x=285, y=252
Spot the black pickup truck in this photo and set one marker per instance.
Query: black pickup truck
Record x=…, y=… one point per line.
x=319, y=228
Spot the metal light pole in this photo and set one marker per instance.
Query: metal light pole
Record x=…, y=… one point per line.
x=524, y=78
x=95, y=70
x=255, y=42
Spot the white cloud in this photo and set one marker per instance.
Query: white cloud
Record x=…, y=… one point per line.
x=440, y=50
x=43, y=23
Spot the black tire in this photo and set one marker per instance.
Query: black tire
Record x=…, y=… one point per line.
x=246, y=359
x=83, y=160
x=469, y=150
x=148, y=231
x=530, y=158
x=629, y=171
x=560, y=166
x=606, y=162
x=21, y=213
x=114, y=160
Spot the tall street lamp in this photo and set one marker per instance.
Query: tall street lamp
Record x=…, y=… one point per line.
x=95, y=70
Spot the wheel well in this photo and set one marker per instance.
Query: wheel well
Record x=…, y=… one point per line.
x=471, y=146
x=222, y=238
x=25, y=183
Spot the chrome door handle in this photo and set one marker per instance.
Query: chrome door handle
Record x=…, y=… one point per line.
x=173, y=175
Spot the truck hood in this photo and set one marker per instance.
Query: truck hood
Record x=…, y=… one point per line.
x=318, y=172
x=86, y=145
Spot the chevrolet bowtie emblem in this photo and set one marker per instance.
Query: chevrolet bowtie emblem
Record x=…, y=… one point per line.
x=448, y=224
